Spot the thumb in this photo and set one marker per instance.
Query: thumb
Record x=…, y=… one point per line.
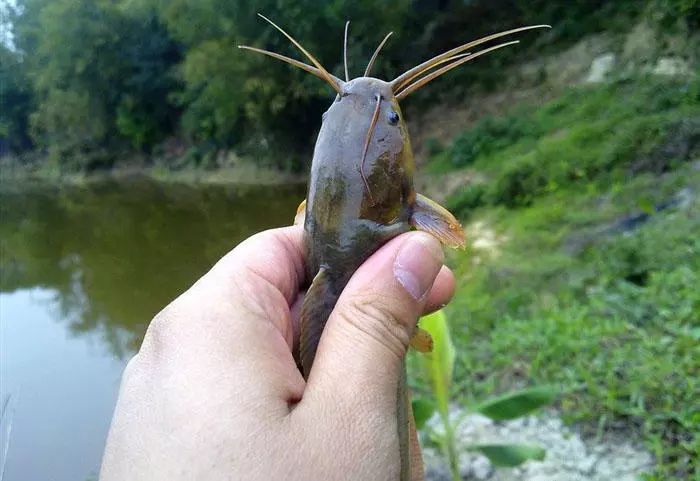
x=366, y=337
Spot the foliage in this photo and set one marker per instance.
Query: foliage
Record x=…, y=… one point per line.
x=423, y=410
x=592, y=285
x=15, y=99
x=670, y=10
x=509, y=455
x=146, y=70
x=438, y=367
x=489, y=135
x=232, y=94
x=515, y=405
x=588, y=135
x=109, y=80
x=69, y=123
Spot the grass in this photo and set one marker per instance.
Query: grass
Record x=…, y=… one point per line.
x=594, y=286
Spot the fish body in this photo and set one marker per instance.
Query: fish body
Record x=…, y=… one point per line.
x=345, y=222
x=360, y=196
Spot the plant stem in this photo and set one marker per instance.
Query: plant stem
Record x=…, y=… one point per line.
x=448, y=446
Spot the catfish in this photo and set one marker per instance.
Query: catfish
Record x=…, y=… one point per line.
x=361, y=192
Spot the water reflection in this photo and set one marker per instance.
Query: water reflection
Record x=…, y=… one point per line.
x=63, y=390
x=115, y=253
x=83, y=271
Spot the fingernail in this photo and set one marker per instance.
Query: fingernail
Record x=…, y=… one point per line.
x=417, y=264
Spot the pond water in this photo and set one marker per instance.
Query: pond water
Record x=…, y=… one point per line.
x=83, y=271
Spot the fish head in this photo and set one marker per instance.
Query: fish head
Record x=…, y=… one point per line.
x=364, y=141
x=368, y=114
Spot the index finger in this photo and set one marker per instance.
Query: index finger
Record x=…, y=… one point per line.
x=236, y=319
x=256, y=282
x=274, y=257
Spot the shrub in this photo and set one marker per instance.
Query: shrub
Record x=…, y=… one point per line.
x=489, y=135
x=518, y=184
x=467, y=199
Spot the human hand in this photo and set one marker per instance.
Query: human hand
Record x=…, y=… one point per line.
x=214, y=392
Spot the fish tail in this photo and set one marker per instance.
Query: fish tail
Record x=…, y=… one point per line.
x=404, y=417
x=317, y=307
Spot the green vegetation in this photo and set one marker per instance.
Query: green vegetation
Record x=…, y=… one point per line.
x=90, y=83
x=592, y=136
x=585, y=211
x=590, y=281
x=437, y=368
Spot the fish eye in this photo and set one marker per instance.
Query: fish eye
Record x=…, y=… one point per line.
x=393, y=117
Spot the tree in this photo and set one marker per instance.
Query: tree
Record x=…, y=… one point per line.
x=109, y=81
x=15, y=102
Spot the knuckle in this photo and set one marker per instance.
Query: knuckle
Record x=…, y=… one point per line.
x=137, y=376
x=160, y=332
x=133, y=368
x=377, y=318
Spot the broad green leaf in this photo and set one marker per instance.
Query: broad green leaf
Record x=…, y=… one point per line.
x=423, y=409
x=516, y=404
x=439, y=364
x=509, y=455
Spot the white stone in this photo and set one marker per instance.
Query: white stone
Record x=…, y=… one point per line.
x=568, y=458
x=600, y=68
x=671, y=66
x=481, y=468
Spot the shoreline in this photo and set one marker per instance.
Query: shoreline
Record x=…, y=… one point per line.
x=247, y=174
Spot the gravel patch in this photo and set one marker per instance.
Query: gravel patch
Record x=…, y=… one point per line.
x=569, y=456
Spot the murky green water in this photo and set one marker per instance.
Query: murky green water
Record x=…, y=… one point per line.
x=83, y=271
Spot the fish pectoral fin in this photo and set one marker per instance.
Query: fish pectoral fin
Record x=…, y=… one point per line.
x=431, y=217
x=300, y=216
x=422, y=341
x=318, y=304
